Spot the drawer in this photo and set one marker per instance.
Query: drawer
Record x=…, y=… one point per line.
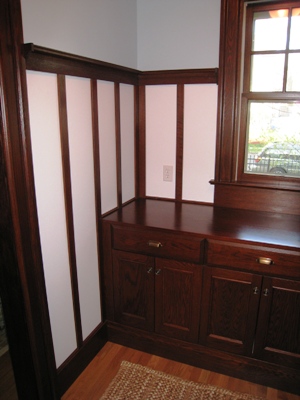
x=158, y=243
x=265, y=260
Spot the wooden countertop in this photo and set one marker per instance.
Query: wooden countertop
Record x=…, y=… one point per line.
x=210, y=221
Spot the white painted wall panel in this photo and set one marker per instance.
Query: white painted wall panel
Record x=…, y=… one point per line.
x=107, y=144
x=200, y=113
x=127, y=141
x=161, y=112
x=46, y=149
x=83, y=199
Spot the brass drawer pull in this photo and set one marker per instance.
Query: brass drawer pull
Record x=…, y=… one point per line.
x=265, y=261
x=153, y=243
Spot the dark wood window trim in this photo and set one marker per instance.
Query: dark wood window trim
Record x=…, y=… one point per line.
x=260, y=193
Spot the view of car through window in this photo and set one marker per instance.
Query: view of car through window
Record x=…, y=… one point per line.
x=273, y=118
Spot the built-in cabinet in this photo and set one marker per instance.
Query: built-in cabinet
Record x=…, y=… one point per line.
x=185, y=278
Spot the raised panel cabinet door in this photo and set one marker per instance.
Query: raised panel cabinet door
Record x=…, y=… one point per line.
x=178, y=296
x=133, y=276
x=230, y=301
x=278, y=330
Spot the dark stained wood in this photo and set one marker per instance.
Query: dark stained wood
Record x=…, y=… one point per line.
x=185, y=76
x=22, y=283
x=96, y=149
x=177, y=299
x=179, y=141
x=233, y=287
x=268, y=229
x=241, y=367
x=169, y=245
x=257, y=198
x=277, y=339
x=229, y=310
x=133, y=276
x=64, y=136
x=77, y=362
x=7, y=381
x=118, y=144
x=48, y=60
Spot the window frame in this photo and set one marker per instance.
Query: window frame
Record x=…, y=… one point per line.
x=232, y=108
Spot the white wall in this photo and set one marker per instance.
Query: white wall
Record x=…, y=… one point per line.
x=178, y=34
x=105, y=30
x=143, y=34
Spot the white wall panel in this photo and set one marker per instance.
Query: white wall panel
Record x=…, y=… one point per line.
x=127, y=141
x=161, y=111
x=200, y=111
x=46, y=149
x=107, y=143
x=83, y=199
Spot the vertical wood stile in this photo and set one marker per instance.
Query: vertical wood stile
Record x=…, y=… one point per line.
x=141, y=143
x=62, y=100
x=96, y=154
x=179, y=141
x=118, y=144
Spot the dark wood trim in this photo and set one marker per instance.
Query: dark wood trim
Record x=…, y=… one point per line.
x=267, y=374
x=184, y=76
x=118, y=144
x=78, y=361
x=96, y=148
x=22, y=282
x=63, y=120
x=258, y=199
x=141, y=148
x=136, y=140
x=266, y=193
x=47, y=60
x=179, y=141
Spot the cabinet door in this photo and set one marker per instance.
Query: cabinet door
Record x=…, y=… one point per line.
x=133, y=276
x=278, y=330
x=230, y=301
x=178, y=296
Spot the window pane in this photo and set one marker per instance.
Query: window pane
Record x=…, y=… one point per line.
x=270, y=33
x=267, y=73
x=273, y=145
x=295, y=30
x=293, y=77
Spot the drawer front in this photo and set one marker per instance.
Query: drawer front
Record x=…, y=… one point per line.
x=158, y=243
x=254, y=258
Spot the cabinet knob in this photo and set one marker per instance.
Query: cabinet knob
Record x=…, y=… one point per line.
x=154, y=243
x=265, y=261
x=149, y=270
x=255, y=290
x=158, y=272
x=266, y=292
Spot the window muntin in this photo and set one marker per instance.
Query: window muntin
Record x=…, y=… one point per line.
x=272, y=91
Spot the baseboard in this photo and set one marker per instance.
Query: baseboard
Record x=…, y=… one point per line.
x=246, y=368
x=79, y=360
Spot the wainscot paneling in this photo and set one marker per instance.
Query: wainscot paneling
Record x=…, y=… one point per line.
x=100, y=137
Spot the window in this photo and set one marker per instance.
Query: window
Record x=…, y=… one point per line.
x=270, y=114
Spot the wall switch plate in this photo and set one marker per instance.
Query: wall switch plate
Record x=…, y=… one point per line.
x=168, y=173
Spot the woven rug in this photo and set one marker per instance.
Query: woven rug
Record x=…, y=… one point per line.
x=135, y=382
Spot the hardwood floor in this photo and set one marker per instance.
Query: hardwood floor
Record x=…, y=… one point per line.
x=92, y=383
